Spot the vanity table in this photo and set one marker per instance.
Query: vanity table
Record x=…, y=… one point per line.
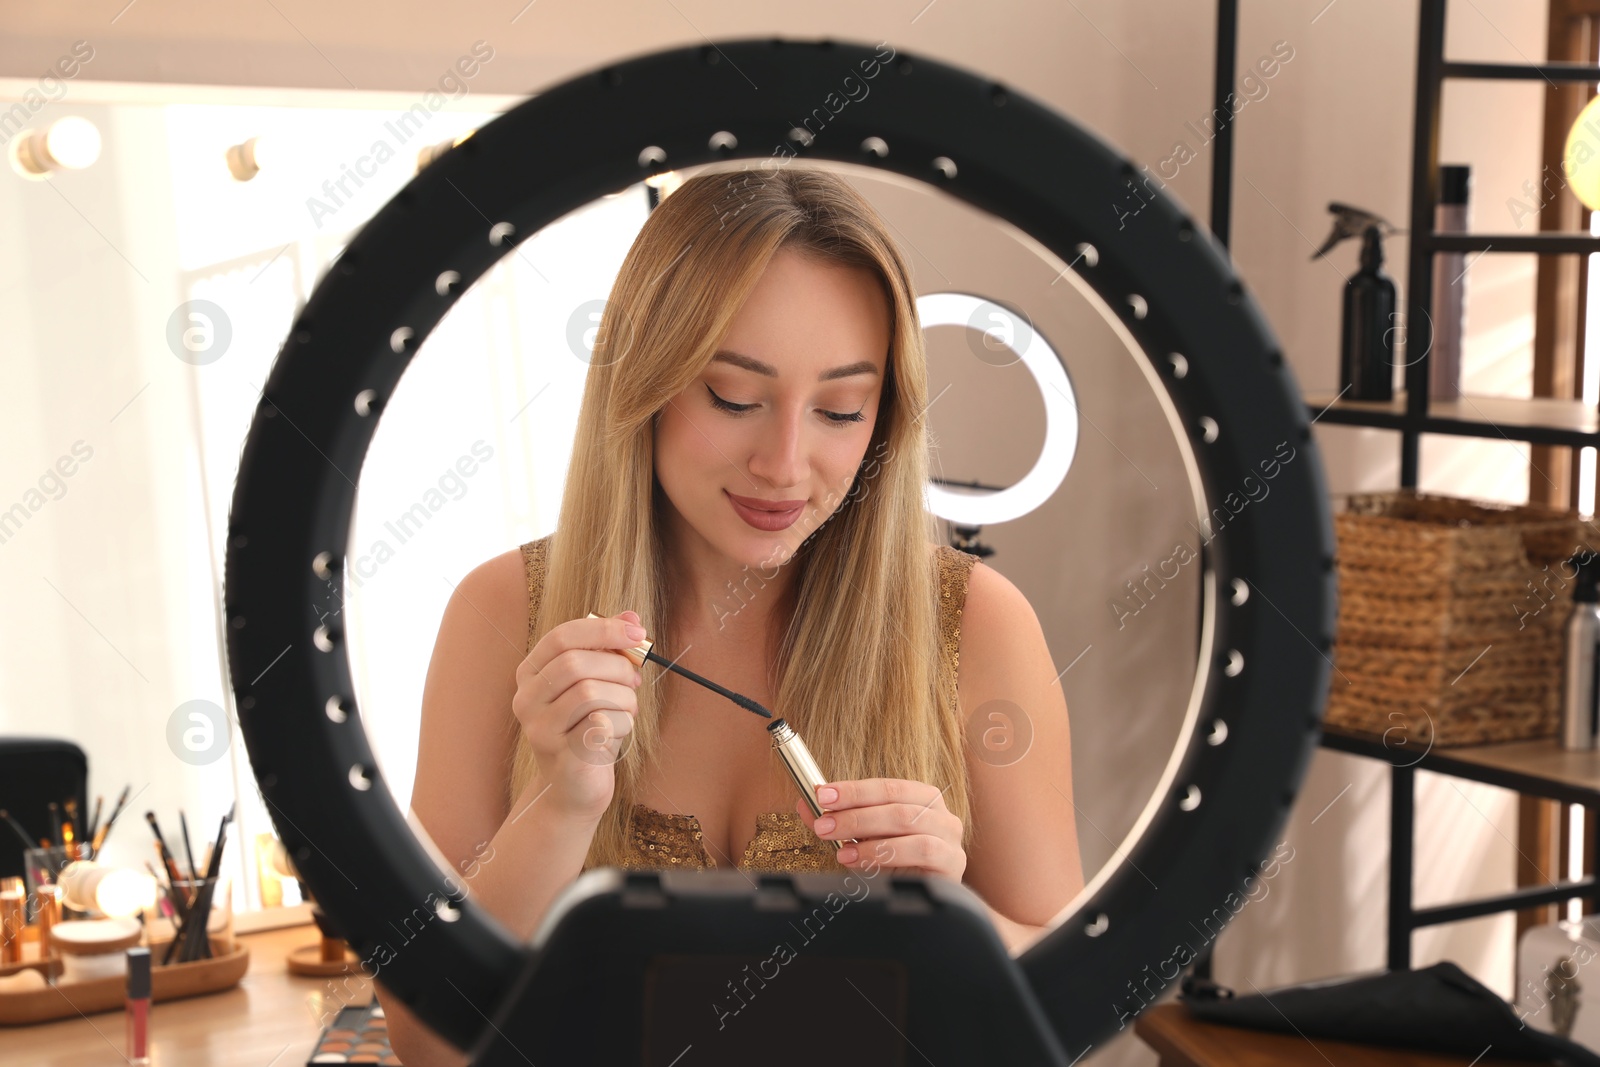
x=269, y=1018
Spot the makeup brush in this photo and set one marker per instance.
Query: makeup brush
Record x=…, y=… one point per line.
x=645, y=652
x=167, y=862
x=94, y=819
x=100, y=834
x=196, y=939
x=174, y=898
x=183, y=824
x=55, y=822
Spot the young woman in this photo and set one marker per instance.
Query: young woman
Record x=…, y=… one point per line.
x=747, y=488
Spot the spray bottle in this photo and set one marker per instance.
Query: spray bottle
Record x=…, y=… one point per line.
x=1367, y=326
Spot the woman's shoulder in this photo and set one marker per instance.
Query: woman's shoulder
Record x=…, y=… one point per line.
x=501, y=593
x=997, y=619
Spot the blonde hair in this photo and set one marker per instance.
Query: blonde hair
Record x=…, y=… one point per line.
x=859, y=675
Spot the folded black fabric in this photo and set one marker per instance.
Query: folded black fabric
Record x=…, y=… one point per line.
x=1436, y=1009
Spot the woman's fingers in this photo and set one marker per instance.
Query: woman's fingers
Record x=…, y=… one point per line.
x=864, y=792
x=608, y=634
x=577, y=665
x=890, y=822
x=884, y=821
x=920, y=851
x=598, y=737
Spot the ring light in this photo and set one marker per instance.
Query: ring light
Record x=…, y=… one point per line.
x=1060, y=419
x=1229, y=787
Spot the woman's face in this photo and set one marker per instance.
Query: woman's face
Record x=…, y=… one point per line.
x=781, y=417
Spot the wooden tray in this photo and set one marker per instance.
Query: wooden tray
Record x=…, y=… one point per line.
x=172, y=982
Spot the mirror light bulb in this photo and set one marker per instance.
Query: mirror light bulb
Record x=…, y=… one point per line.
x=245, y=159
x=73, y=142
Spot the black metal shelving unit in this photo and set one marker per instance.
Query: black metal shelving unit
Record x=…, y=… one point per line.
x=1538, y=421
x=1533, y=768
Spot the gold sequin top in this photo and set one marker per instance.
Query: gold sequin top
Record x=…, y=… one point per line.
x=783, y=842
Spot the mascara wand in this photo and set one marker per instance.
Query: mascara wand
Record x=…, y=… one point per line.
x=645, y=651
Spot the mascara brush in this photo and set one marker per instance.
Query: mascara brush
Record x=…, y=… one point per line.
x=645, y=651
x=786, y=742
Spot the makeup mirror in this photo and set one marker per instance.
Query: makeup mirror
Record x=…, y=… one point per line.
x=1103, y=531
x=1266, y=594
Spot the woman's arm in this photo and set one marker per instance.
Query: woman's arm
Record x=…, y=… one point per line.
x=512, y=862
x=1013, y=934
x=1024, y=859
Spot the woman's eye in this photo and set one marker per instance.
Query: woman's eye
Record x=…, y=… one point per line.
x=837, y=417
x=723, y=405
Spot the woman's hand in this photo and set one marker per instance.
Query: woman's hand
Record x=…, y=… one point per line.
x=898, y=823
x=576, y=698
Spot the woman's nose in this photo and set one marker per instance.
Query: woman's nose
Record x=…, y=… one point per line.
x=779, y=454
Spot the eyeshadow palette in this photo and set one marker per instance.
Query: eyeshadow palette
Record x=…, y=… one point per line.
x=359, y=1034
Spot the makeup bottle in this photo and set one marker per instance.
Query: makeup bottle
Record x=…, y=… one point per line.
x=1580, y=688
x=137, y=1007
x=1449, y=286
x=48, y=900
x=13, y=915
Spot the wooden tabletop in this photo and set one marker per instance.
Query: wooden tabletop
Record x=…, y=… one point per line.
x=1539, y=767
x=270, y=1019
x=1543, y=758
x=1182, y=1041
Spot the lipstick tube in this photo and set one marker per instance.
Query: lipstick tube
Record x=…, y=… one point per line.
x=137, y=1007
x=802, y=768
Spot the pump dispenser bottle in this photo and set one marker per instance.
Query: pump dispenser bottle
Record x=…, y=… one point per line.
x=1580, y=689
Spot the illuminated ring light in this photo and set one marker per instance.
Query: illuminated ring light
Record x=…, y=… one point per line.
x=1219, y=806
x=1060, y=423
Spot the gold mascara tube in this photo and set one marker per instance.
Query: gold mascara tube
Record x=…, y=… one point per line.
x=802, y=768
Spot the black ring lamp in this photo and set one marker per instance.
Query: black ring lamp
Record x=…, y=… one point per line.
x=1269, y=592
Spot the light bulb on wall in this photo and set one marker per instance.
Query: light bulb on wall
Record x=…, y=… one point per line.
x=246, y=159
x=69, y=143
x=1581, y=157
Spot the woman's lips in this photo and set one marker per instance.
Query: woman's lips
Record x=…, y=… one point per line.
x=761, y=518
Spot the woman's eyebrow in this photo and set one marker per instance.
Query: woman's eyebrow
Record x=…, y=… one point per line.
x=750, y=363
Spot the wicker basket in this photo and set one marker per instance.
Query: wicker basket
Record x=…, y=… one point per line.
x=1451, y=618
